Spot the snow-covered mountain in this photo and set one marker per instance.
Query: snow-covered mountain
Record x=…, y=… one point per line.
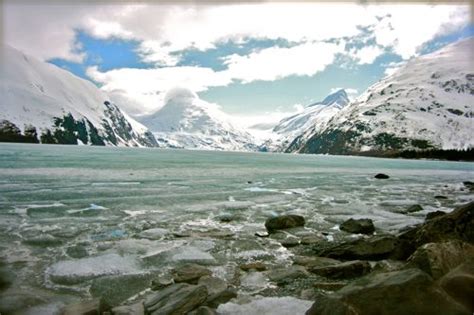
x=426, y=104
x=312, y=119
x=186, y=121
x=40, y=102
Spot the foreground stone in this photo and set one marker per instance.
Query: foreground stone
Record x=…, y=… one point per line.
x=409, y=291
x=178, y=298
x=133, y=309
x=437, y=259
x=284, y=222
x=349, y=269
x=359, y=226
x=190, y=273
x=285, y=275
x=459, y=284
x=90, y=307
x=434, y=214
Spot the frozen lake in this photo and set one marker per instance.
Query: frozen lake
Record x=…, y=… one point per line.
x=72, y=214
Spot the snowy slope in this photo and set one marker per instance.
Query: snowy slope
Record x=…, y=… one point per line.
x=313, y=118
x=428, y=103
x=59, y=106
x=185, y=121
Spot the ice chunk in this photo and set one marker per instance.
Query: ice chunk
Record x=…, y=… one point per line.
x=76, y=271
x=267, y=306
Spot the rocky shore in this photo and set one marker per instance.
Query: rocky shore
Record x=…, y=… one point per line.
x=425, y=269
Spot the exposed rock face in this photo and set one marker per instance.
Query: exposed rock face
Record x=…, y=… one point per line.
x=360, y=226
x=349, y=269
x=459, y=284
x=409, y=291
x=437, y=259
x=284, y=222
x=178, y=298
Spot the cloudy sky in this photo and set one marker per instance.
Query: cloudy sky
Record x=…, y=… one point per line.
x=257, y=61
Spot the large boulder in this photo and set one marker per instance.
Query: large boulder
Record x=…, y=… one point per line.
x=410, y=291
x=178, y=298
x=459, y=284
x=286, y=275
x=190, y=273
x=358, y=226
x=348, y=269
x=437, y=259
x=86, y=307
x=284, y=222
x=131, y=309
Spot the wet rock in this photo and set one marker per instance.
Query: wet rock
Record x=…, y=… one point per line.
x=314, y=261
x=434, y=214
x=410, y=291
x=213, y=285
x=374, y=248
x=203, y=310
x=190, y=273
x=440, y=197
x=12, y=301
x=381, y=176
x=43, y=240
x=284, y=222
x=262, y=234
x=437, y=259
x=359, y=226
x=285, y=275
x=161, y=282
x=459, y=284
x=223, y=297
x=257, y=265
x=469, y=185
x=116, y=289
x=154, y=234
x=345, y=270
x=178, y=298
x=388, y=265
x=133, y=309
x=311, y=239
x=88, y=307
x=182, y=254
x=77, y=251
x=329, y=286
x=290, y=241
x=413, y=208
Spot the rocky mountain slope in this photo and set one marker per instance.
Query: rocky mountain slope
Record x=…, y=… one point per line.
x=41, y=102
x=426, y=104
x=186, y=121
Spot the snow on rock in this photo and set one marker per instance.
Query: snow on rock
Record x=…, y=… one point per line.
x=267, y=306
x=186, y=121
x=76, y=271
x=313, y=118
x=42, y=102
x=428, y=103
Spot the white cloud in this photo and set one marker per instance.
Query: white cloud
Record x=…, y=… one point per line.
x=367, y=54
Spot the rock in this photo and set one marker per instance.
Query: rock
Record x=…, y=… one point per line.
x=154, y=234
x=257, y=265
x=190, y=273
x=116, y=289
x=225, y=217
x=77, y=251
x=329, y=286
x=178, y=298
x=285, y=275
x=437, y=259
x=262, y=234
x=345, y=270
x=14, y=300
x=360, y=226
x=43, y=240
x=413, y=208
x=469, y=185
x=434, y=214
x=133, y=309
x=221, y=298
x=388, y=265
x=459, y=284
x=374, y=248
x=213, y=285
x=284, y=222
x=440, y=197
x=203, y=310
x=314, y=261
x=410, y=291
x=290, y=241
x=161, y=282
x=311, y=239
x=89, y=307
x=381, y=176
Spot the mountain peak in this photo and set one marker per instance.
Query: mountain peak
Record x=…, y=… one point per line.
x=338, y=98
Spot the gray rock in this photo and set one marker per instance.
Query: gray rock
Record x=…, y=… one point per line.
x=43, y=240
x=12, y=301
x=213, y=285
x=77, y=251
x=133, y=309
x=203, y=310
x=257, y=265
x=314, y=261
x=284, y=222
x=286, y=275
x=154, y=234
x=459, y=284
x=178, y=298
x=413, y=208
x=162, y=281
x=223, y=297
x=345, y=270
x=437, y=259
x=410, y=291
x=359, y=226
x=190, y=273
x=88, y=307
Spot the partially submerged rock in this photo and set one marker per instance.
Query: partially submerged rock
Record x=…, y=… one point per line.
x=434, y=214
x=410, y=291
x=381, y=176
x=284, y=222
x=413, y=208
x=358, y=226
x=178, y=298
x=345, y=270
